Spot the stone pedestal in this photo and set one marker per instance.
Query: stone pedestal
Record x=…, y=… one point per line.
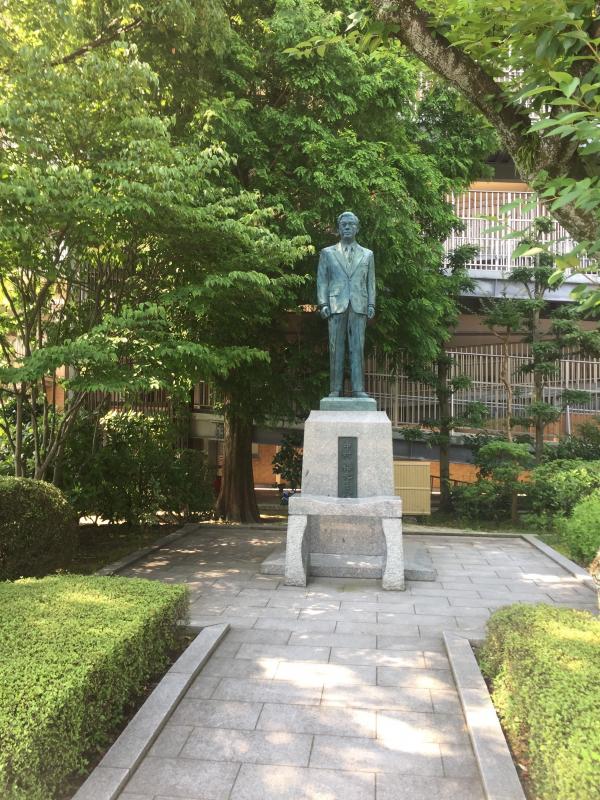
x=347, y=522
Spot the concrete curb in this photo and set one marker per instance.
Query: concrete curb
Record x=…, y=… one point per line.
x=581, y=574
x=498, y=774
x=119, y=763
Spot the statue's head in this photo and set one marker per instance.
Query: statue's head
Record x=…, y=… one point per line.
x=348, y=225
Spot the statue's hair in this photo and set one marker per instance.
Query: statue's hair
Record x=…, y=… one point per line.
x=347, y=214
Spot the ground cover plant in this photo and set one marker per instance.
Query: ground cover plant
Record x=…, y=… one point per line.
x=38, y=528
x=76, y=650
x=544, y=667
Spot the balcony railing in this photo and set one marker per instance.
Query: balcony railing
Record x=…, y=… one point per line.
x=494, y=258
x=408, y=402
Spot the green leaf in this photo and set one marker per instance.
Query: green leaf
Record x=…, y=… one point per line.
x=560, y=77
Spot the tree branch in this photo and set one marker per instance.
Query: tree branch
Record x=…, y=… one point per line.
x=531, y=152
x=113, y=31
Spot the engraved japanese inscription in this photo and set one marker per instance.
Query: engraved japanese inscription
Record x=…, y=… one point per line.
x=347, y=466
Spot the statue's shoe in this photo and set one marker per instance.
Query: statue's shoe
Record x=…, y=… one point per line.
x=334, y=394
x=360, y=394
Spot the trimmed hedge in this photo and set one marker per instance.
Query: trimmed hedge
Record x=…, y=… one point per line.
x=38, y=528
x=544, y=667
x=555, y=488
x=76, y=650
x=581, y=531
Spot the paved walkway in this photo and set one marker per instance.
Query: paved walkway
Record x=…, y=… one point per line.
x=339, y=691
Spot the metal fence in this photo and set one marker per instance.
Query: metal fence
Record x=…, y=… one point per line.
x=495, y=251
x=409, y=402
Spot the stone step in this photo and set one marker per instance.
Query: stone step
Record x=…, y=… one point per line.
x=417, y=564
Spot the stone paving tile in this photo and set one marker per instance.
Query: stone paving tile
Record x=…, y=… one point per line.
x=404, y=726
x=216, y=714
x=267, y=692
x=436, y=660
x=317, y=674
x=284, y=652
x=289, y=783
x=404, y=787
x=282, y=600
x=397, y=628
x=227, y=649
x=258, y=636
x=325, y=645
x=373, y=755
x=449, y=611
x=318, y=719
x=338, y=616
x=171, y=739
x=130, y=796
x=458, y=759
x=445, y=701
x=249, y=747
x=203, y=621
x=378, y=658
x=419, y=678
x=296, y=626
x=378, y=697
x=203, y=687
x=333, y=639
x=423, y=620
x=263, y=668
x=430, y=641
x=183, y=778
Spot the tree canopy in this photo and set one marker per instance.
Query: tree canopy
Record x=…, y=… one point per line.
x=167, y=172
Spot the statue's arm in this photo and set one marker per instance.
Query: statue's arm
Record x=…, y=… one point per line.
x=322, y=281
x=371, y=285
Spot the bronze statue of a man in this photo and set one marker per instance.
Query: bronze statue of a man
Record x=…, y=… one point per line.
x=346, y=299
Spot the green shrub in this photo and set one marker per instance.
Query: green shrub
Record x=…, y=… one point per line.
x=38, y=528
x=287, y=462
x=585, y=445
x=544, y=667
x=556, y=487
x=581, y=530
x=482, y=500
x=76, y=650
x=126, y=466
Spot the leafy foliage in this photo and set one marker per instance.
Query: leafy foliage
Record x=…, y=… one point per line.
x=287, y=462
x=104, y=204
x=126, y=466
x=501, y=466
x=581, y=530
x=584, y=445
x=38, y=528
x=544, y=667
x=555, y=488
x=77, y=650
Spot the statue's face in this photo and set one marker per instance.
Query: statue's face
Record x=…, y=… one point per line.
x=348, y=227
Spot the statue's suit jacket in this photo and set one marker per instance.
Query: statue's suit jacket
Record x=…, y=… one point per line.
x=340, y=284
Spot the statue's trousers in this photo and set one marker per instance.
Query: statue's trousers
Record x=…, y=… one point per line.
x=347, y=325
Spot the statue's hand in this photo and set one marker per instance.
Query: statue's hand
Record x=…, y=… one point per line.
x=371, y=312
x=325, y=312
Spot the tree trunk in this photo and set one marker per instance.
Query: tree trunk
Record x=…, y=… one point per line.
x=514, y=509
x=237, y=500
x=443, y=396
x=19, y=435
x=506, y=382
x=538, y=389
